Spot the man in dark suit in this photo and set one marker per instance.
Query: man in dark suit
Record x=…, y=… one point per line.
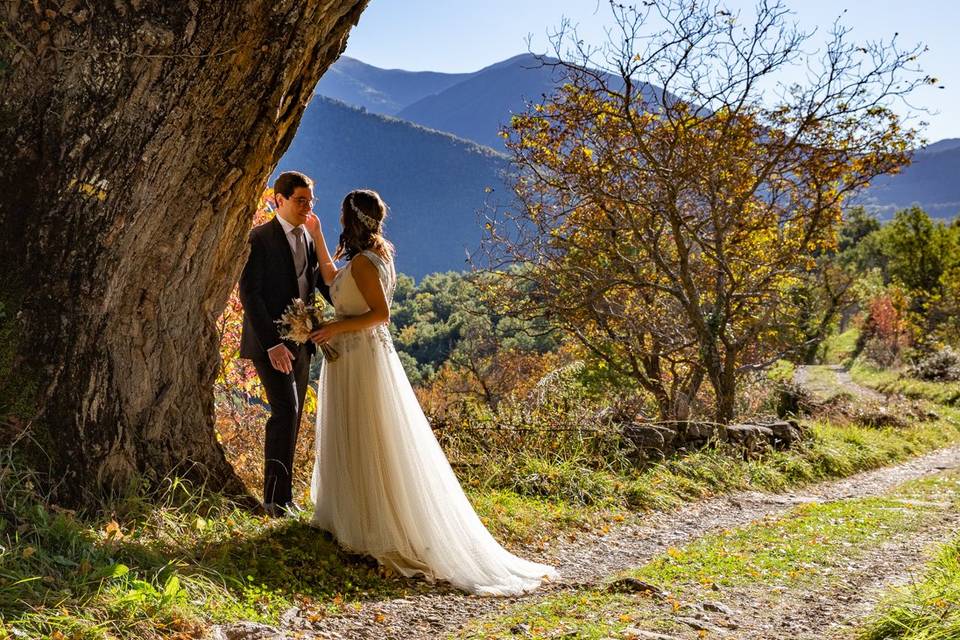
x=282, y=266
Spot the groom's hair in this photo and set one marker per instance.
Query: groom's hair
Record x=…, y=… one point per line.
x=287, y=181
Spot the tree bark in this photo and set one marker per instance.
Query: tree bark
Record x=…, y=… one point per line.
x=137, y=136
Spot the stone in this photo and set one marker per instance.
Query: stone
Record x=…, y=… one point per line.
x=699, y=431
x=520, y=629
x=633, y=633
x=716, y=607
x=649, y=440
x=785, y=433
x=699, y=625
x=751, y=437
x=246, y=631
x=633, y=585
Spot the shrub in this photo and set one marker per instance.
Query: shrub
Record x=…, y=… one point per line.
x=942, y=365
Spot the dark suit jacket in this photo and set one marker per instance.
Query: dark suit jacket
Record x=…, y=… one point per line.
x=268, y=284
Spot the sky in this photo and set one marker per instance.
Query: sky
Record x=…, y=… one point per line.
x=465, y=35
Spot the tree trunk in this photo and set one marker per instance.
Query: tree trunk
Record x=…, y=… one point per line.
x=137, y=135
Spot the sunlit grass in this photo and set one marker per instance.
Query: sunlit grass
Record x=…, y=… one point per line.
x=888, y=381
x=807, y=548
x=926, y=610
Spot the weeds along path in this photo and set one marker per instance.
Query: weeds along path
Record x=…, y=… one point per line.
x=590, y=558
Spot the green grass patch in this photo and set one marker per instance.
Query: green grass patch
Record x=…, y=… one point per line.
x=170, y=565
x=840, y=348
x=526, y=519
x=926, y=610
x=829, y=451
x=889, y=381
x=811, y=545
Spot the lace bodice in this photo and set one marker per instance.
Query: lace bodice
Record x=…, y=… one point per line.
x=346, y=296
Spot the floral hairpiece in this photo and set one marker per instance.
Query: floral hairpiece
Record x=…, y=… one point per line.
x=368, y=222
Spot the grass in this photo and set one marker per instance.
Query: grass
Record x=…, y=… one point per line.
x=830, y=451
x=807, y=548
x=887, y=381
x=926, y=610
x=171, y=564
x=164, y=567
x=840, y=348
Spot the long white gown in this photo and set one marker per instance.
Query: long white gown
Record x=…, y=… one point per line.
x=381, y=483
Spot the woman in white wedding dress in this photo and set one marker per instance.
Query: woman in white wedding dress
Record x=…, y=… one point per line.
x=381, y=483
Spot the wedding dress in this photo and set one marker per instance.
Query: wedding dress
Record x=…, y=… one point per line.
x=381, y=483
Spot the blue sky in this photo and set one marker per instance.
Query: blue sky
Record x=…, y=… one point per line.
x=464, y=35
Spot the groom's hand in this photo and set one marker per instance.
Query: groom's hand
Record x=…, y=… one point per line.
x=281, y=358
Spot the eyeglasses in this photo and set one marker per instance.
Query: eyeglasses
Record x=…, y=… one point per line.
x=304, y=202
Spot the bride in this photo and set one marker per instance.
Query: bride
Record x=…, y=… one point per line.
x=381, y=483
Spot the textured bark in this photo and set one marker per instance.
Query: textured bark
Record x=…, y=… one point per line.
x=136, y=136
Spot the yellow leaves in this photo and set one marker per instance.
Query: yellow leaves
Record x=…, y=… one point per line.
x=112, y=531
x=626, y=617
x=28, y=552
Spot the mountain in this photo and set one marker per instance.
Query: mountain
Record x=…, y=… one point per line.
x=433, y=182
x=478, y=106
x=433, y=174
x=931, y=181
x=942, y=145
x=385, y=91
x=470, y=105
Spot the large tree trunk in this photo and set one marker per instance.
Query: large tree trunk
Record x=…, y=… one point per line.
x=136, y=137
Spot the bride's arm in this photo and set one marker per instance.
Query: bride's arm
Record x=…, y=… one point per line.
x=368, y=282
x=328, y=270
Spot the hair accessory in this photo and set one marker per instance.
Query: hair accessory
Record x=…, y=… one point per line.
x=368, y=222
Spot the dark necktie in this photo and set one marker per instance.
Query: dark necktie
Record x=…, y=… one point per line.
x=299, y=255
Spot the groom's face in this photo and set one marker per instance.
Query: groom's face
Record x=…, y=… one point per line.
x=297, y=207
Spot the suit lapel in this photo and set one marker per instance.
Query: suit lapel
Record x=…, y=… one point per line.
x=286, y=257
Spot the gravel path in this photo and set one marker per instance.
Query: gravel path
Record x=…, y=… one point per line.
x=835, y=611
x=826, y=380
x=588, y=559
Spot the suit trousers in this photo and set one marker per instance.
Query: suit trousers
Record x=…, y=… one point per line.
x=285, y=393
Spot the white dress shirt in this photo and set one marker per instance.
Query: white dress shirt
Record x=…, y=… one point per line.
x=292, y=241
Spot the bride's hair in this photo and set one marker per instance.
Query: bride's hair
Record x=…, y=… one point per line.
x=362, y=214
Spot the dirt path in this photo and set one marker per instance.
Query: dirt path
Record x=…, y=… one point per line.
x=827, y=380
x=835, y=612
x=590, y=558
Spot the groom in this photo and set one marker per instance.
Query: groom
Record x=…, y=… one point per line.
x=282, y=266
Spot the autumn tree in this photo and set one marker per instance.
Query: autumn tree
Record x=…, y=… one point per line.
x=137, y=137
x=672, y=191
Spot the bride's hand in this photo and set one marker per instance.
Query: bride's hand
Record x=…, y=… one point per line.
x=312, y=224
x=325, y=333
